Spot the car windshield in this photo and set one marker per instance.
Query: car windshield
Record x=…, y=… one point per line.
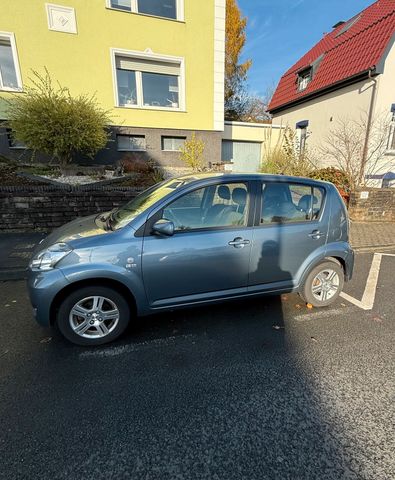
x=125, y=214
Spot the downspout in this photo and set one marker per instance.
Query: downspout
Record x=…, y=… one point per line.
x=368, y=129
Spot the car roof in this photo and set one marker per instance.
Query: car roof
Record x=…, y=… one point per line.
x=232, y=176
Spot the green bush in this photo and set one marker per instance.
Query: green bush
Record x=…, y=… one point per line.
x=47, y=119
x=335, y=176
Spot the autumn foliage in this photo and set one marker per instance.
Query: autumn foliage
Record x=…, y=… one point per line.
x=235, y=72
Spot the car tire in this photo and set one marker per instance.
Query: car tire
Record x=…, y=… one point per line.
x=93, y=316
x=323, y=284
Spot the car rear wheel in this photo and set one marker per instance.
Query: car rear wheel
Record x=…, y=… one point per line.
x=323, y=284
x=93, y=315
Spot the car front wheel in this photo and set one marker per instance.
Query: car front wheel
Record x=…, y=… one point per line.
x=323, y=284
x=93, y=315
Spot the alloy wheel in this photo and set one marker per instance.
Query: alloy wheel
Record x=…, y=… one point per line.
x=325, y=285
x=94, y=317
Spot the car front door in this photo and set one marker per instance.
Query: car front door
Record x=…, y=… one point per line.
x=290, y=230
x=208, y=255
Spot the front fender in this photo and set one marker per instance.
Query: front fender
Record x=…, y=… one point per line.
x=126, y=276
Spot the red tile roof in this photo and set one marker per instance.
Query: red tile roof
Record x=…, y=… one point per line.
x=345, y=55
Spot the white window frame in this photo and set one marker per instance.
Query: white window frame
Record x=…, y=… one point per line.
x=134, y=9
x=304, y=80
x=11, y=37
x=131, y=149
x=139, y=82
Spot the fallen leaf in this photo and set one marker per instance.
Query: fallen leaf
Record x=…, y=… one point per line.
x=314, y=339
x=46, y=340
x=343, y=305
x=297, y=306
x=309, y=305
x=377, y=319
x=284, y=297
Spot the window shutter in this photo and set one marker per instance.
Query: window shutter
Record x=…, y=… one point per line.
x=145, y=65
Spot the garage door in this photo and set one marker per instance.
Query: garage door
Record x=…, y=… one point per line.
x=246, y=156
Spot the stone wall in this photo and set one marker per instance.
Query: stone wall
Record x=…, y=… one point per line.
x=373, y=205
x=44, y=208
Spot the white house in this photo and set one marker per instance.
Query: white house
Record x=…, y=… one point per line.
x=349, y=75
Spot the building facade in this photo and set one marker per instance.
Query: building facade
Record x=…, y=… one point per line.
x=156, y=65
x=347, y=78
x=245, y=145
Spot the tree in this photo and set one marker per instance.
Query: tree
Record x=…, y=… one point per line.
x=192, y=153
x=254, y=109
x=345, y=144
x=48, y=119
x=235, y=72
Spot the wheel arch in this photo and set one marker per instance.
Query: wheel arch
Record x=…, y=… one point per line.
x=339, y=260
x=103, y=282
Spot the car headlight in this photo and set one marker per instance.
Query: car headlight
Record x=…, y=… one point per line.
x=48, y=258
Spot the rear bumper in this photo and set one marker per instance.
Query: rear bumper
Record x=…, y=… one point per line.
x=43, y=288
x=349, y=265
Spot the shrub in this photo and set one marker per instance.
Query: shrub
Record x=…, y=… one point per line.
x=131, y=164
x=48, y=119
x=335, y=176
x=284, y=158
x=134, y=164
x=192, y=153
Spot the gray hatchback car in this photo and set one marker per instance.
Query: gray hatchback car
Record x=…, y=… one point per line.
x=191, y=240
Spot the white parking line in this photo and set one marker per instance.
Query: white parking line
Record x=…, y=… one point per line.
x=369, y=293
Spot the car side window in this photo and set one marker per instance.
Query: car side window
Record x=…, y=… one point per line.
x=290, y=203
x=223, y=205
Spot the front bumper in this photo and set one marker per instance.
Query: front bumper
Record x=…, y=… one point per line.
x=43, y=288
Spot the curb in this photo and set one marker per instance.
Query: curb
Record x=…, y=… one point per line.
x=371, y=248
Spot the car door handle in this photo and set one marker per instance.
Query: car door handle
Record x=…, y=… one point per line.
x=239, y=242
x=316, y=234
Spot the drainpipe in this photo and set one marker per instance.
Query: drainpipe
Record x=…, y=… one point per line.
x=368, y=129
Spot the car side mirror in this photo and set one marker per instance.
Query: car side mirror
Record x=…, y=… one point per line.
x=163, y=227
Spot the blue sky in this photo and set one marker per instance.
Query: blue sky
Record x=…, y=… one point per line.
x=279, y=32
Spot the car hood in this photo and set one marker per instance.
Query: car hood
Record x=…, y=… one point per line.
x=77, y=229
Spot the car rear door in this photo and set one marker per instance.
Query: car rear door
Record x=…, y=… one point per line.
x=290, y=230
x=208, y=256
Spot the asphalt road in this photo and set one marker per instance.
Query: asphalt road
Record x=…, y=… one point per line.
x=263, y=389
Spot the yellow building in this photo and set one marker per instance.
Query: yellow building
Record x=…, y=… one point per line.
x=157, y=65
